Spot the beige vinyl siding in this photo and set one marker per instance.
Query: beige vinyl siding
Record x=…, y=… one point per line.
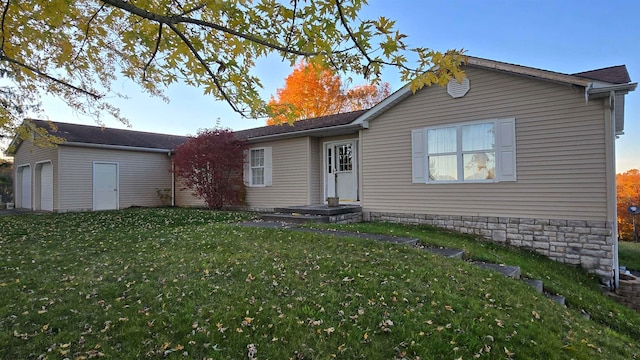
x=140, y=174
x=185, y=197
x=560, y=147
x=289, y=175
x=28, y=154
x=315, y=171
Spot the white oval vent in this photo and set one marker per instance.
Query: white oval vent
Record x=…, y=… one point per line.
x=458, y=89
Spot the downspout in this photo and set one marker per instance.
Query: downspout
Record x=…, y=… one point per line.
x=173, y=181
x=613, y=190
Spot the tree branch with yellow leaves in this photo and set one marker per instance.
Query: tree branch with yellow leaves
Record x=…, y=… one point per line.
x=76, y=49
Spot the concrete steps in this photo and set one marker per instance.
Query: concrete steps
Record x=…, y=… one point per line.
x=295, y=218
x=506, y=270
x=445, y=252
x=312, y=214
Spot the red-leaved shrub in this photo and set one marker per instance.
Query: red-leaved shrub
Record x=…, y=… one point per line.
x=211, y=165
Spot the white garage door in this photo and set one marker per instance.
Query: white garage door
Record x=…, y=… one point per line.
x=24, y=176
x=105, y=186
x=46, y=187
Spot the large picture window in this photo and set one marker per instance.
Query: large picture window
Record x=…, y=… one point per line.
x=481, y=151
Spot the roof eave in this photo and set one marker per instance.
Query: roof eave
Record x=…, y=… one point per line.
x=606, y=89
x=115, y=147
x=383, y=106
x=326, y=131
x=13, y=146
x=527, y=71
x=480, y=63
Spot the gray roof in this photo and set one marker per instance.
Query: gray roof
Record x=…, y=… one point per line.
x=320, y=126
x=612, y=74
x=86, y=134
x=322, y=122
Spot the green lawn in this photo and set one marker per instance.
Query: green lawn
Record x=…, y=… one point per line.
x=629, y=254
x=176, y=283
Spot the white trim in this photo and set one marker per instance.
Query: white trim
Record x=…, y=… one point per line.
x=93, y=182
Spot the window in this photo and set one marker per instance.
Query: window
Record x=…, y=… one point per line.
x=469, y=152
x=345, y=158
x=258, y=167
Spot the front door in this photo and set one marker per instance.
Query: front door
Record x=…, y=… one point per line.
x=341, y=171
x=105, y=186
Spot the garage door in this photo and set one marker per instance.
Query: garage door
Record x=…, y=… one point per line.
x=24, y=180
x=105, y=186
x=46, y=187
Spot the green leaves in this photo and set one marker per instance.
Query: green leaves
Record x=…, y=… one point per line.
x=74, y=49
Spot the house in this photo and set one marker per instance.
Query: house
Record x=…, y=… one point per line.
x=97, y=169
x=515, y=154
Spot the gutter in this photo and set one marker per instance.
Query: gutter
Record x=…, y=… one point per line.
x=610, y=92
x=114, y=147
x=606, y=90
x=350, y=126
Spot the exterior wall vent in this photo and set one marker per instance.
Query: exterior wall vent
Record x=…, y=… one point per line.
x=458, y=89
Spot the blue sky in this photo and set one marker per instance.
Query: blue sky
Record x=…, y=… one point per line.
x=563, y=35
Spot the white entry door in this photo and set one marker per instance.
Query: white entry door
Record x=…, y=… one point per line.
x=105, y=186
x=24, y=178
x=341, y=171
x=46, y=187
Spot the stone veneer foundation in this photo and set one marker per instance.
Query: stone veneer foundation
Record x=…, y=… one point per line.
x=577, y=242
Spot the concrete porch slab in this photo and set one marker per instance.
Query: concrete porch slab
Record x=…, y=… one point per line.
x=319, y=209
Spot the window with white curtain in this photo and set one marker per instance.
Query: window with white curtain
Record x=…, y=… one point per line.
x=481, y=151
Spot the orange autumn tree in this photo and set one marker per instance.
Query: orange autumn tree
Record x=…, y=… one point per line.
x=312, y=91
x=628, y=194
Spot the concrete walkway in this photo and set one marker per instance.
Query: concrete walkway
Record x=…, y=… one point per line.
x=19, y=211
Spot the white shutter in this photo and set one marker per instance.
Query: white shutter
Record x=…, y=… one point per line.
x=417, y=154
x=247, y=167
x=267, y=166
x=506, y=149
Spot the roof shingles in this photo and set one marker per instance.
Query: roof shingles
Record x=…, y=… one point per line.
x=86, y=134
x=613, y=74
x=301, y=125
x=117, y=137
